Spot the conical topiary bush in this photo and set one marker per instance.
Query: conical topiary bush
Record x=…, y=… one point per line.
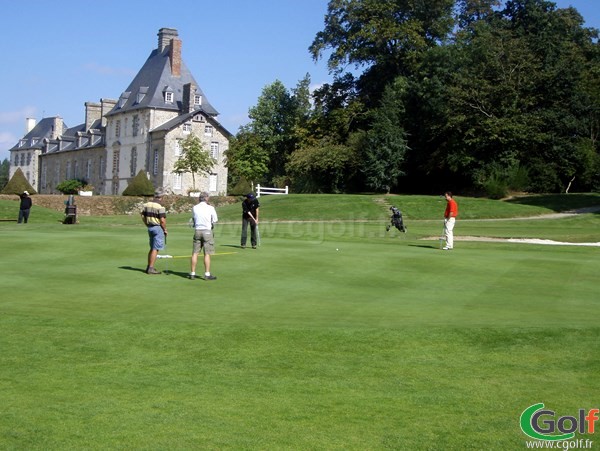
x=139, y=186
x=17, y=184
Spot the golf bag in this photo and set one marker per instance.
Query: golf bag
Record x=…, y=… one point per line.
x=396, y=220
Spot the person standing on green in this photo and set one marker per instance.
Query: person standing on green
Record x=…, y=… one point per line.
x=154, y=217
x=449, y=220
x=250, y=210
x=24, y=207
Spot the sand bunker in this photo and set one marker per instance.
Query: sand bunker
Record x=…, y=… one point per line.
x=517, y=240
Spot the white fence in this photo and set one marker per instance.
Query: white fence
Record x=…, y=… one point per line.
x=264, y=190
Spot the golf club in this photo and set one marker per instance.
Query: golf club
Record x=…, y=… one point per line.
x=257, y=231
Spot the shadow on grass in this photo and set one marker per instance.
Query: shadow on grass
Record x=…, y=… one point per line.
x=131, y=268
x=167, y=272
x=561, y=202
x=425, y=246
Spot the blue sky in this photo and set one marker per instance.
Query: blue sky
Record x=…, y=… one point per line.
x=59, y=55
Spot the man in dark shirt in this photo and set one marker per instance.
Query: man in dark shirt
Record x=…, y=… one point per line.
x=250, y=210
x=24, y=207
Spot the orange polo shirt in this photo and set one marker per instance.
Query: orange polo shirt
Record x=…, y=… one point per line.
x=451, y=209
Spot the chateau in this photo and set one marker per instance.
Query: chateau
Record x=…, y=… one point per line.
x=141, y=130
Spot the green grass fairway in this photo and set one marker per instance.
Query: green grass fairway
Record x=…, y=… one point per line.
x=333, y=334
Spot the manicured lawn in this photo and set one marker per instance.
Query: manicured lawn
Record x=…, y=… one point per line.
x=332, y=335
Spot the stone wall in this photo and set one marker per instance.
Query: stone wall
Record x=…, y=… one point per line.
x=115, y=205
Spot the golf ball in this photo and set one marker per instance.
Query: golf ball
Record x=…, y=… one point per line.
x=336, y=249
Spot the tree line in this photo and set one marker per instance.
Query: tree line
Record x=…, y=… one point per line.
x=474, y=95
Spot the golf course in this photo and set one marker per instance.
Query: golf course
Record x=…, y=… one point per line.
x=332, y=335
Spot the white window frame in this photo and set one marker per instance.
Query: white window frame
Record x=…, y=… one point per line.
x=168, y=97
x=208, y=130
x=177, y=151
x=213, y=182
x=177, y=180
x=187, y=128
x=214, y=150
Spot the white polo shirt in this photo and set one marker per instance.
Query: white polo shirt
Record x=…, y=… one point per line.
x=204, y=216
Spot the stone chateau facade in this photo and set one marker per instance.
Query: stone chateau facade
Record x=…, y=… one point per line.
x=141, y=130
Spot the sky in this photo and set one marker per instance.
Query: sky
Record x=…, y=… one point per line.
x=58, y=55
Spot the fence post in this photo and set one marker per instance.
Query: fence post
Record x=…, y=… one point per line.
x=286, y=189
x=258, y=190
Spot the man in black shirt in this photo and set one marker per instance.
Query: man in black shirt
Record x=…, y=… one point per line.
x=250, y=209
x=24, y=207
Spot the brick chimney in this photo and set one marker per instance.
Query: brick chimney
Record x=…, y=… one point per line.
x=189, y=91
x=107, y=105
x=165, y=35
x=57, y=127
x=93, y=112
x=175, y=57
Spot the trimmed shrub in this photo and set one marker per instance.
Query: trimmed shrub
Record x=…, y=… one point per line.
x=17, y=184
x=71, y=186
x=139, y=186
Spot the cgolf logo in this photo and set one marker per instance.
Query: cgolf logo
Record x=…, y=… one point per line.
x=541, y=424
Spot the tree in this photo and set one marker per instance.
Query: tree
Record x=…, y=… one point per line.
x=384, y=38
x=246, y=157
x=139, y=186
x=17, y=184
x=322, y=167
x=385, y=143
x=194, y=159
x=4, y=171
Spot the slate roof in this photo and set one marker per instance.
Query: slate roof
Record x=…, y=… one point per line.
x=154, y=78
x=43, y=129
x=181, y=119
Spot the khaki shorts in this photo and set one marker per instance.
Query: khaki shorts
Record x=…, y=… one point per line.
x=203, y=239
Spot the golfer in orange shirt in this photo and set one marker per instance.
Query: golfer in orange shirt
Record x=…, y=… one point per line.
x=449, y=220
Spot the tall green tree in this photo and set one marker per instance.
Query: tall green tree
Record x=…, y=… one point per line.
x=194, y=159
x=276, y=119
x=381, y=38
x=385, y=143
x=246, y=156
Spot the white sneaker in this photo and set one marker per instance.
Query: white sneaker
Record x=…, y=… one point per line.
x=446, y=248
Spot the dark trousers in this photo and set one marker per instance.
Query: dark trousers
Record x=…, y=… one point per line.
x=23, y=216
x=245, y=222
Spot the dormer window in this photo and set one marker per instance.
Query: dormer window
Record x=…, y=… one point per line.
x=197, y=99
x=168, y=93
x=22, y=142
x=141, y=94
x=123, y=99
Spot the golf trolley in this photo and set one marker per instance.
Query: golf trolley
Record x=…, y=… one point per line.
x=396, y=220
